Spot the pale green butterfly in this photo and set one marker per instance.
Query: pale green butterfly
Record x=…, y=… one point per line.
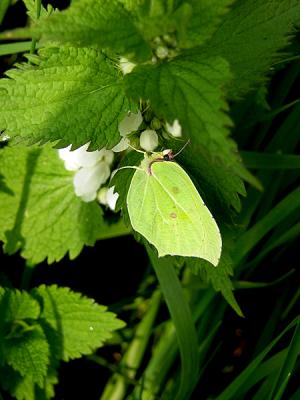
x=165, y=207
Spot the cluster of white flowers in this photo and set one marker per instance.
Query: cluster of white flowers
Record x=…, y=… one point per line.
x=92, y=169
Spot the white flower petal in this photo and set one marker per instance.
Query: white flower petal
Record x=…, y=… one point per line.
x=121, y=146
x=79, y=157
x=148, y=140
x=126, y=66
x=112, y=198
x=130, y=123
x=107, y=155
x=88, y=180
x=87, y=197
x=174, y=129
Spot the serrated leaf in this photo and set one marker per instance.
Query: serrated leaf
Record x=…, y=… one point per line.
x=73, y=95
x=31, y=6
x=218, y=276
x=23, y=388
x=80, y=323
x=29, y=355
x=16, y=305
x=22, y=341
x=250, y=38
x=43, y=217
x=191, y=22
x=205, y=17
x=190, y=89
x=104, y=23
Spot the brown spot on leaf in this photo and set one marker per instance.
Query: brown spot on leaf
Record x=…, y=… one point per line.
x=175, y=189
x=173, y=215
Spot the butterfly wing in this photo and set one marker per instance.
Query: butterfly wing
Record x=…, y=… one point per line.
x=167, y=210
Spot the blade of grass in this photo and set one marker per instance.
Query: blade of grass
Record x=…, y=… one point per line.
x=165, y=350
x=182, y=319
x=263, y=371
x=12, y=48
x=4, y=4
x=117, y=385
x=287, y=367
x=232, y=389
x=255, y=160
x=250, y=238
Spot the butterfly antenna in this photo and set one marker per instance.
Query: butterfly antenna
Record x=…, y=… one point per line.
x=182, y=148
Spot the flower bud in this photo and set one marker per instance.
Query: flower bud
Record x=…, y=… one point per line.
x=148, y=140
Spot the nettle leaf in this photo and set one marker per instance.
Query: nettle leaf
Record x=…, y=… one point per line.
x=190, y=89
x=72, y=95
x=218, y=277
x=205, y=17
x=43, y=217
x=23, y=344
x=248, y=40
x=105, y=23
x=23, y=388
x=192, y=21
x=29, y=355
x=80, y=324
x=16, y=305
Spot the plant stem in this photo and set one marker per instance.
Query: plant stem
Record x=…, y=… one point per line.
x=117, y=385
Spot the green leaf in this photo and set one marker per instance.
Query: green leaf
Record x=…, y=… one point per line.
x=23, y=344
x=32, y=9
x=248, y=40
x=190, y=89
x=23, y=388
x=29, y=355
x=206, y=15
x=189, y=23
x=71, y=95
x=218, y=276
x=104, y=23
x=16, y=305
x=43, y=216
x=80, y=324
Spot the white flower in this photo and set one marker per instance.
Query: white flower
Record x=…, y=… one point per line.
x=126, y=66
x=174, y=129
x=107, y=197
x=92, y=169
x=88, y=180
x=130, y=123
x=148, y=140
x=4, y=137
x=81, y=157
x=122, y=145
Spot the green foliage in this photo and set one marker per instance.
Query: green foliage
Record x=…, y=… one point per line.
x=247, y=38
x=40, y=329
x=72, y=95
x=82, y=324
x=104, y=23
x=37, y=183
x=198, y=62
